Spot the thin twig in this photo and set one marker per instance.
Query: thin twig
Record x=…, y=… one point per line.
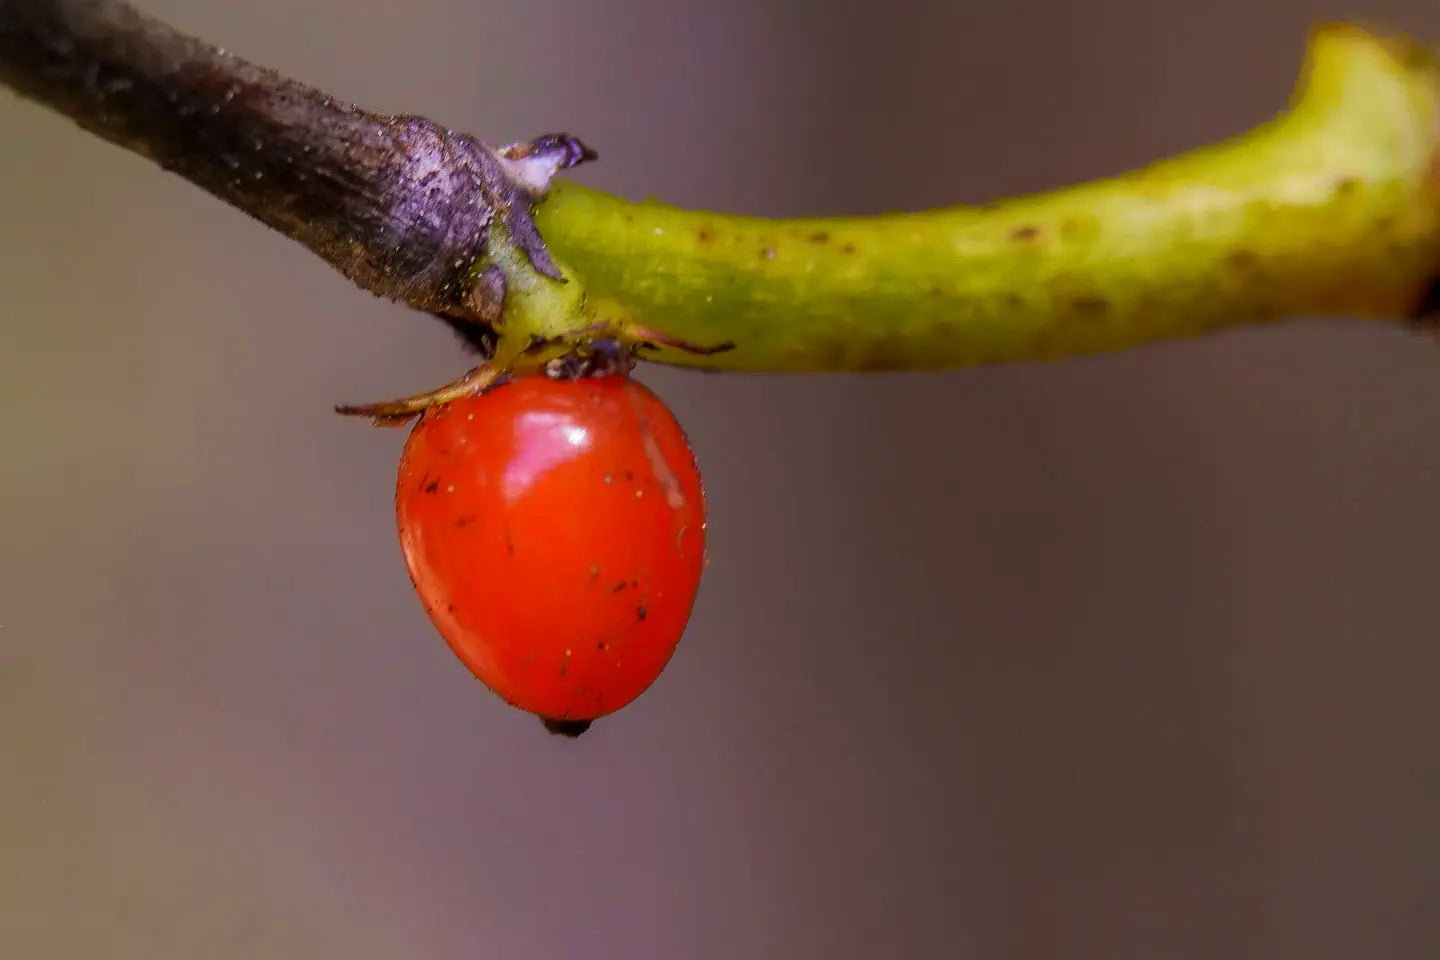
x=399, y=204
x=1330, y=209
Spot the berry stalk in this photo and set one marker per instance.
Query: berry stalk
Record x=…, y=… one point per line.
x=1333, y=208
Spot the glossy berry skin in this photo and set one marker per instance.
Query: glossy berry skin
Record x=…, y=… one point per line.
x=555, y=532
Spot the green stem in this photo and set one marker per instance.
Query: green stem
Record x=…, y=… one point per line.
x=1333, y=208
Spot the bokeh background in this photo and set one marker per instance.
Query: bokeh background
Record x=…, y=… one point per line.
x=1133, y=656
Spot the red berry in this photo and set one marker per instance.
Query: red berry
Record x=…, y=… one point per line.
x=555, y=532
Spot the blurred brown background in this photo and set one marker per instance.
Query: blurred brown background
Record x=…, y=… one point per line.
x=1130, y=657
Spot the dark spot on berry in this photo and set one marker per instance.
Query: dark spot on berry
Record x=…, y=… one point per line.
x=847, y=248
x=602, y=645
x=1090, y=304
x=1025, y=234
x=642, y=610
x=566, y=728
x=1346, y=185
x=705, y=235
x=767, y=253
x=629, y=476
x=509, y=543
x=820, y=237
x=468, y=519
x=433, y=485
x=619, y=586
x=1243, y=259
x=449, y=608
